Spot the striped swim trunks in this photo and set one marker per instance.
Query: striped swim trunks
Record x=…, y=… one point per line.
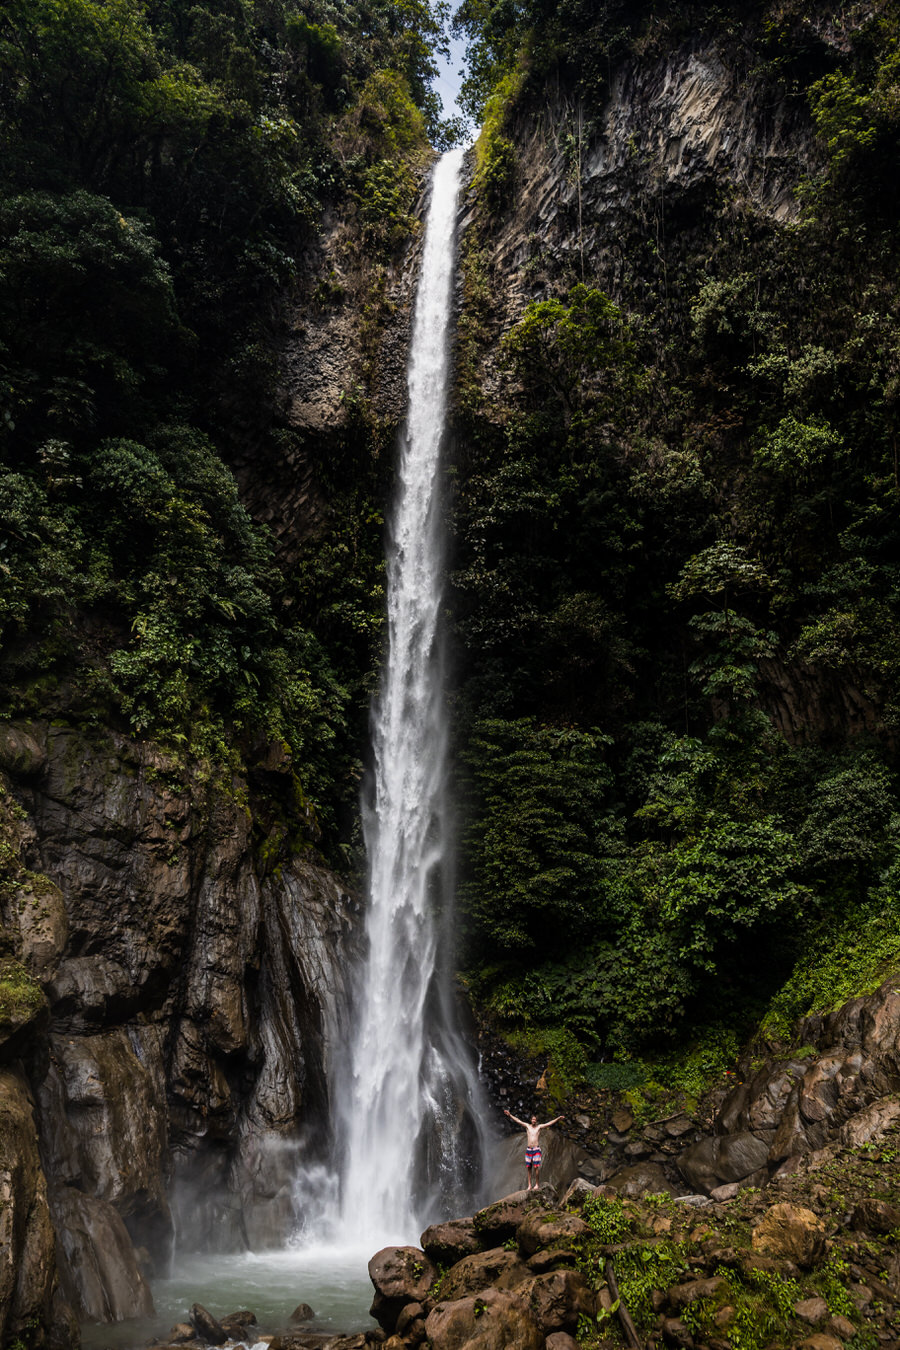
x=533, y=1157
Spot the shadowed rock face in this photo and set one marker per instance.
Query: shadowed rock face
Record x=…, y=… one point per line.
x=195, y=1006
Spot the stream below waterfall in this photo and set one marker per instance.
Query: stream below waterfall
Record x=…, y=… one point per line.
x=333, y=1280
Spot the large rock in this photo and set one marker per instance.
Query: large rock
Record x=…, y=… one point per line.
x=791, y=1233
x=549, y=1228
x=27, y=1245
x=97, y=1264
x=645, y=1178
x=491, y=1321
x=498, y=1222
x=558, y=1299
x=447, y=1243
x=500, y=1268
x=719, y=1159
x=401, y=1275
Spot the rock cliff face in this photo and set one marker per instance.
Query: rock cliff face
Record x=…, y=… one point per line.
x=195, y=1000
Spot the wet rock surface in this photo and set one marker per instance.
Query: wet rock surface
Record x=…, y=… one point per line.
x=183, y=1005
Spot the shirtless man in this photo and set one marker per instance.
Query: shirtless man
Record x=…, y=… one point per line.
x=533, y=1156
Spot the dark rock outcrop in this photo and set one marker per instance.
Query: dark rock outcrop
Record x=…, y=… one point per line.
x=188, y=1000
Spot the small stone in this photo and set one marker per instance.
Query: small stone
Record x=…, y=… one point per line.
x=841, y=1327
x=678, y=1127
x=302, y=1313
x=723, y=1193
x=583, y=1121
x=876, y=1215
x=725, y=1316
x=560, y=1340
x=182, y=1331
x=682, y=1295
x=622, y=1120
x=811, y=1310
x=821, y=1342
x=861, y=1295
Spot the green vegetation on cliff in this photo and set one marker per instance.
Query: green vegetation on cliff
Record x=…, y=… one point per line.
x=164, y=169
x=678, y=563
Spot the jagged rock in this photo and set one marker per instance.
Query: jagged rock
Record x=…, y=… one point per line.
x=878, y=1216
x=791, y=1232
x=207, y=1327
x=714, y=1161
x=549, y=1230
x=578, y=1192
x=492, y=1321
x=498, y=1267
x=812, y=1310
x=27, y=1264
x=97, y=1262
x=401, y=1275
x=870, y=1124
x=446, y=1243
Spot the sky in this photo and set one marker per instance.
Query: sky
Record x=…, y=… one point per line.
x=449, y=77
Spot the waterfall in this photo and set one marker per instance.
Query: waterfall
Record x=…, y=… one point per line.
x=412, y=1127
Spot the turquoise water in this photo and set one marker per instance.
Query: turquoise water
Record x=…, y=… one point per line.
x=333, y=1281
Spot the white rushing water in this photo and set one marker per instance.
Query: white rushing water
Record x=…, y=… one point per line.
x=412, y=1123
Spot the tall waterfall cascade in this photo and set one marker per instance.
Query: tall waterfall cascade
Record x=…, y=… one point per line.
x=412, y=1120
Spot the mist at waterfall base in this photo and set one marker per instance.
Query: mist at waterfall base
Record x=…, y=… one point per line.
x=408, y=1116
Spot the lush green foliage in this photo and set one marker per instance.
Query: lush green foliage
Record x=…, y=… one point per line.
x=163, y=169
x=677, y=514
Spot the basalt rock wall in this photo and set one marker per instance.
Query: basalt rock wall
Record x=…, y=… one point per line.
x=184, y=1002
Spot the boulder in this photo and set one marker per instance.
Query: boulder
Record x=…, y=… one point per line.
x=302, y=1313
x=790, y=1232
x=557, y=1300
x=493, y=1321
x=646, y=1178
x=447, y=1243
x=499, y=1221
x=811, y=1310
x=560, y=1340
x=841, y=1327
x=400, y=1275
x=20, y=753
x=207, y=1327
x=718, y=1159
x=675, y=1333
x=549, y=1229
x=181, y=1333
x=239, y=1324
x=543, y=1261
x=410, y=1317
x=498, y=1267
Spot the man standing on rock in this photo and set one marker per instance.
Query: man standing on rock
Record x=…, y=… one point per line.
x=533, y=1155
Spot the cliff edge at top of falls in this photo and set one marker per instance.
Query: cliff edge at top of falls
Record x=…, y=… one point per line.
x=171, y=1005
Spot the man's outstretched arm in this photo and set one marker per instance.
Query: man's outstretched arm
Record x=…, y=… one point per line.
x=549, y=1122
x=516, y=1119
